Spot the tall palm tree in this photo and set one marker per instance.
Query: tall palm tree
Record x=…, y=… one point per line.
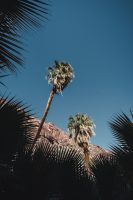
x=81, y=128
x=16, y=16
x=60, y=75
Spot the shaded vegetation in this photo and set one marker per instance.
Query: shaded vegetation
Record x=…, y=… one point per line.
x=17, y=16
x=30, y=166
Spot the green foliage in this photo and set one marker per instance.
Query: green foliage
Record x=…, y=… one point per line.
x=60, y=75
x=81, y=128
x=52, y=170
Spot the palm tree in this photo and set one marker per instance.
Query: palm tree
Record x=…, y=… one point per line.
x=60, y=75
x=16, y=16
x=23, y=175
x=81, y=128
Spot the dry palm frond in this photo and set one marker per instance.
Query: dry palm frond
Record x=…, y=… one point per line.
x=60, y=75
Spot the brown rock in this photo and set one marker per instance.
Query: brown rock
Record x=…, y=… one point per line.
x=57, y=136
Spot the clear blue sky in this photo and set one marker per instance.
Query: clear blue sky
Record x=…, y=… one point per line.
x=96, y=37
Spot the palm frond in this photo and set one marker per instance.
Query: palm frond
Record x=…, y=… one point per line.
x=81, y=128
x=15, y=16
x=60, y=169
x=60, y=75
x=108, y=177
x=15, y=130
x=23, y=14
x=122, y=129
x=10, y=48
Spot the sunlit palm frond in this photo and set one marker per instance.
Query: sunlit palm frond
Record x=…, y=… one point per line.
x=22, y=14
x=81, y=126
x=15, y=129
x=60, y=75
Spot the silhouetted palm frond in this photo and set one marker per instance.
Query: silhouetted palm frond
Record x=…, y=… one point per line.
x=16, y=133
x=108, y=179
x=122, y=129
x=22, y=14
x=59, y=171
x=15, y=16
x=10, y=48
x=15, y=129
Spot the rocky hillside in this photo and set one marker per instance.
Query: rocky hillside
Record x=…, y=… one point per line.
x=56, y=136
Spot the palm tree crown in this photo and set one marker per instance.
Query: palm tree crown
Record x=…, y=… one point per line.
x=60, y=76
x=81, y=128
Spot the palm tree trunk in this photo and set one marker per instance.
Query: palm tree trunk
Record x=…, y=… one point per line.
x=52, y=93
x=87, y=154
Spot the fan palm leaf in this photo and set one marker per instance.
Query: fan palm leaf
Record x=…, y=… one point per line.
x=16, y=128
x=16, y=135
x=10, y=48
x=15, y=16
x=122, y=128
x=108, y=179
x=52, y=171
x=22, y=14
x=61, y=171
